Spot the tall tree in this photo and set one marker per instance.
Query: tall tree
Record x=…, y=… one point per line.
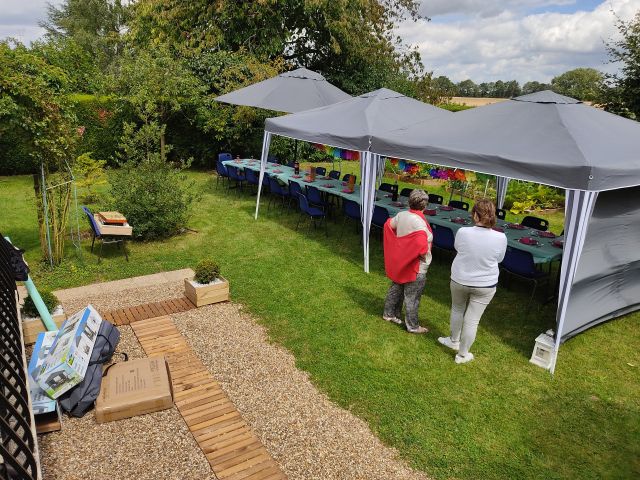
x=96, y=25
x=534, y=86
x=467, y=88
x=622, y=90
x=580, y=83
x=352, y=42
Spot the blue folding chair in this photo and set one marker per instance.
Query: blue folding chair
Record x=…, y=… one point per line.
x=520, y=263
x=351, y=210
x=109, y=239
x=405, y=192
x=223, y=157
x=251, y=178
x=535, y=222
x=272, y=159
x=278, y=190
x=222, y=172
x=294, y=191
x=335, y=174
x=388, y=187
x=501, y=214
x=315, y=198
x=321, y=171
x=347, y=177
x=313, y=213
x=236, y=176
x=437, y=199
x=459, y=204
x=443, y=239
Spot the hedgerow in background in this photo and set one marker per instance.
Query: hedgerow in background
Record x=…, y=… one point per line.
x=526, y=196
x=103, y=118
x=152, y=193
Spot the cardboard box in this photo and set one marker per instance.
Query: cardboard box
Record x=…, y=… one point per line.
x=134, y=388
x=46, y=412
x=124, y=230
x=66, y=362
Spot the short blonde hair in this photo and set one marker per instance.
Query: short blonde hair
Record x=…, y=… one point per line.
x=418, y=200
x=485, y=212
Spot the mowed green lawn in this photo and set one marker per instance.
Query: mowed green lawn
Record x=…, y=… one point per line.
x=497, y=417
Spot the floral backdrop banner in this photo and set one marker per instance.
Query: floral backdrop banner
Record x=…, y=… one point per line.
x=412, y=168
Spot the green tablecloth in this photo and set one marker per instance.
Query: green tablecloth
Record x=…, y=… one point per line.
x=545, y=252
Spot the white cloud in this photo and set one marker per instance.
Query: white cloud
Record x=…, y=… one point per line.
x=509, y=45
x=19, y=18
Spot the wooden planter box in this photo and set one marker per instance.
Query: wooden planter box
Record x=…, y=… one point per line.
x=206, y=294
x=31, y=327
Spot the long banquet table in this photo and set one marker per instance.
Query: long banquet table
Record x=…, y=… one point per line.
x=544, y=252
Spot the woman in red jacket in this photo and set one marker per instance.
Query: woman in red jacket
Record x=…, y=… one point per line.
x=407, y=255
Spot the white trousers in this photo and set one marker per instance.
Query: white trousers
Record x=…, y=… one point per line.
x=467, y=306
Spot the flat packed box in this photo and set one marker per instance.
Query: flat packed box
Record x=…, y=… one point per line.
x=46, y=412
x=134, y=388
x=67, y=360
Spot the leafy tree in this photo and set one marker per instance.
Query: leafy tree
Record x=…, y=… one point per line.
x=580, y=83
x=82, y=70
x=157, y=85
x=532, y=87
x=446, y=86
x=95, y=25
x=35, y=110
x=622, y=91
x=351, y=42
x=467, y=88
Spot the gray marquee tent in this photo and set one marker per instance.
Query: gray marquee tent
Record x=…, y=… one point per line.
x=555, y=140
x=352, y=124
x=293, y=91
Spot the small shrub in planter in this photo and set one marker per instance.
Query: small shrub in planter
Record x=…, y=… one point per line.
x=207, y=286
x=29, y=308
x=206, y=271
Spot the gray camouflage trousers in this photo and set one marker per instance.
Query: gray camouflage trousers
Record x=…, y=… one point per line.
x=409, y=293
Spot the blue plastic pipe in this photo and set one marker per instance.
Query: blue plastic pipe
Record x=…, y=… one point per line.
x=45, y=316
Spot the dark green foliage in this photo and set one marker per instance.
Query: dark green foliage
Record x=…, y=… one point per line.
x=103, y=119
x=206, y=271
x=621, y=94
x=152, y=193
x=50, y=300
x=579, y=83
x=532, y=196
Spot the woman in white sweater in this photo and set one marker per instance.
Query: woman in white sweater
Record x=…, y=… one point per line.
x=474, y=277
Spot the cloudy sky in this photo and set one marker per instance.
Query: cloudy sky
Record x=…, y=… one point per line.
x=484, y=40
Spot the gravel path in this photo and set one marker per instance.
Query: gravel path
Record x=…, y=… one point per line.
x=309, y=436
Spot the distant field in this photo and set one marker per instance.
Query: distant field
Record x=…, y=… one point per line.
x=475, y=101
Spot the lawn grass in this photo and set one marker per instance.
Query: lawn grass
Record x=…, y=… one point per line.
x=497, y=417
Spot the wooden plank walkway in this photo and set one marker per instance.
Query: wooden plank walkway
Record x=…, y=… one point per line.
x=232, y=449
x=126, y=316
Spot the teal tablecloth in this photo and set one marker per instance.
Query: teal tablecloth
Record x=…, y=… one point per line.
x=545, y=252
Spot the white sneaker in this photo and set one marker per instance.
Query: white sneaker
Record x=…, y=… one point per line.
x=447, y=342
x=467, y=358
x=395, y=320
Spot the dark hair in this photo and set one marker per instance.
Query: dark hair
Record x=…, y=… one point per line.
x=485, y=211
x=418, y=200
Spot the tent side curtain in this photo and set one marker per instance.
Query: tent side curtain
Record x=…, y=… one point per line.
x=266, y=143
x=607, y=282
x=370, y=173
x=502, y=183
x=579, y=205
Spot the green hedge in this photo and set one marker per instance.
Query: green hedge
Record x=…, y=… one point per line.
x=103, y=118
x=14, y=153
